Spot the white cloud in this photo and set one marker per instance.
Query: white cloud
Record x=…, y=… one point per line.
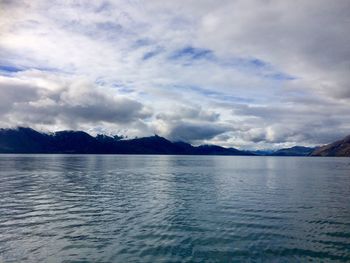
x=47, y=101
x=239, y=73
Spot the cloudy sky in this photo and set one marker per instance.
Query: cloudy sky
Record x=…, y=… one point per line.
x=252, y=74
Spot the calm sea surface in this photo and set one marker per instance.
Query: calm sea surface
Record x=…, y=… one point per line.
x=123, y=208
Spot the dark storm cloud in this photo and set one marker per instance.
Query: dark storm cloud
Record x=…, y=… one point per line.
x=13, y=92
x=189, y=113
x=191, y=132
x=70, y=103
x=191, y=124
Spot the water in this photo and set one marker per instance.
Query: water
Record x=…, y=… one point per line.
x=69, y=208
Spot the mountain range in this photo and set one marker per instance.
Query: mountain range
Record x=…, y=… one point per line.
x=339, y=148
x=294, y=151
x=27, y=140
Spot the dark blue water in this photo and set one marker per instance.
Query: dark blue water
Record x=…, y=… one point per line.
x=69, y=208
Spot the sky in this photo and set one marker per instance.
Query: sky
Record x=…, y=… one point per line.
x=250, y=74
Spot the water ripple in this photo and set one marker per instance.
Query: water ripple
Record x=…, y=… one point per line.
x=71, y=208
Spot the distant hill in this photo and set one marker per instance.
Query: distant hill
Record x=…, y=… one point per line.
x=339, y=148
x=26, y=140
x=294, y=151
x=263, y=152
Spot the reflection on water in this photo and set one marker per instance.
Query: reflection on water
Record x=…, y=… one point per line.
x=95, y=208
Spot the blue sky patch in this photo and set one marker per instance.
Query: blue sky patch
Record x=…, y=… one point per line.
x=258, y=63
x=192, y=53
x=280, y=76
x=10, y=69
x=152, y=53
x=142, y=43
x=216, y=95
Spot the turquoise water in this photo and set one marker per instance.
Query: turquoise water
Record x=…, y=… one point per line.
x=90, y=208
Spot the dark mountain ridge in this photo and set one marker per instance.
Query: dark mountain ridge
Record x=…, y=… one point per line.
x=294, y=151
x=27, y=140
x=339, y=148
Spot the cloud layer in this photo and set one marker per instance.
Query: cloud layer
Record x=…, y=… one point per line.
x=249, y=74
